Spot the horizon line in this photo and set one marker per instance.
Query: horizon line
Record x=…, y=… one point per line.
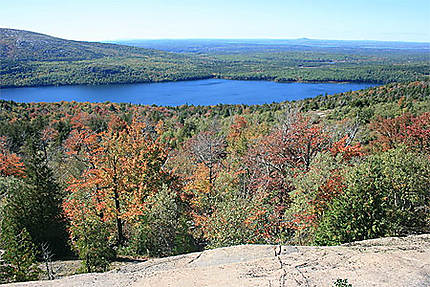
x=301, y=38
x=226, y=38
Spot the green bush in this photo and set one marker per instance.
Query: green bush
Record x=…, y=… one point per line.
x=230, y=224
x=307, y=193
x=162, y=230
x=341, y=283
x=91, y=240
x=18, y=263
x=386, y=195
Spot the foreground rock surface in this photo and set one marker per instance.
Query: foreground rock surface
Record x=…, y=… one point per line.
x=379, y=262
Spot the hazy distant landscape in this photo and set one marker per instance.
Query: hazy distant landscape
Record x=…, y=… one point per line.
x=227, y=46
x=223, y=143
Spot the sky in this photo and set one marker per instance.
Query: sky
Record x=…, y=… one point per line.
x=99, y=20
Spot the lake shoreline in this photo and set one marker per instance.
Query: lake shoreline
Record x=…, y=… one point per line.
x=205, y=92
x=190, y=80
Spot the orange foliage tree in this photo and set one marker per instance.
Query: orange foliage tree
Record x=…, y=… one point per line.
x=10, y=163
x=124, y=168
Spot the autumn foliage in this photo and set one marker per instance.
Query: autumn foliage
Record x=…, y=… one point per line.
x=123, y=169
x=157, y=181
x=10, y=163
x=413, y=131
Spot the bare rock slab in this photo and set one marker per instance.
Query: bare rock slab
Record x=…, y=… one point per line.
x=378, y=262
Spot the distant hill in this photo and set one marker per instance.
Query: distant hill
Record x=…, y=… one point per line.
x=26, y=45
x=221, y=46
x=34, y=59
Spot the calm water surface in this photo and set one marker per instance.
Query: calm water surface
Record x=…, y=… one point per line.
x=202, y=92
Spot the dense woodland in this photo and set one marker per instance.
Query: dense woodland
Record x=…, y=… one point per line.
x=98, y=181
x=32, y=59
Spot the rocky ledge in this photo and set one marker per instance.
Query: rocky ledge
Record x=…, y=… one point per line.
x=379, y=262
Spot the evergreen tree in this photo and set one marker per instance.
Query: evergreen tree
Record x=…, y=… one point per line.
x=18, y=263
x=43, y=218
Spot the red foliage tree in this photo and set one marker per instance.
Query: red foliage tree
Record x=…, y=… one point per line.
x=10, y=163
x=282, y=155
x=413, y=131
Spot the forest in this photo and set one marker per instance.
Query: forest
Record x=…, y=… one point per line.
x=99, y=181
x=32, y=59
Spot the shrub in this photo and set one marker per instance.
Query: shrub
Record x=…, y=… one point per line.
x=234, y=222
x=386, y=195
x=91, y=240
x=91, y=237
x=314, y=190
x=162, y=229
x=19, y=259
x=341, y=283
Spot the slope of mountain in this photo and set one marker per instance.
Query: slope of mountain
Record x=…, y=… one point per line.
x=33, y=59
x=26, y=45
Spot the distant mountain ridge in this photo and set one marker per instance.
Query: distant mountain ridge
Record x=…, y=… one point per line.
x=26, y=45
x=257, y=45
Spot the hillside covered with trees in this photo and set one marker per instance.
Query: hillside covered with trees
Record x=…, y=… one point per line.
x=33, y=59
x=98, y=181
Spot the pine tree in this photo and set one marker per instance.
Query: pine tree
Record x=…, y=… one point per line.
x=18, y=263
x=43, y=219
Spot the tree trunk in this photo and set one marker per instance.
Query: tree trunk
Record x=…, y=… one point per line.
x=117, y=207
x=118, y=220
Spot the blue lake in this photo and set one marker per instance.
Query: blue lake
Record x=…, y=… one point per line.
x=201, y=92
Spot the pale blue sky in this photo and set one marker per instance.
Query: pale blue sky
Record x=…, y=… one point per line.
x=392, y=20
